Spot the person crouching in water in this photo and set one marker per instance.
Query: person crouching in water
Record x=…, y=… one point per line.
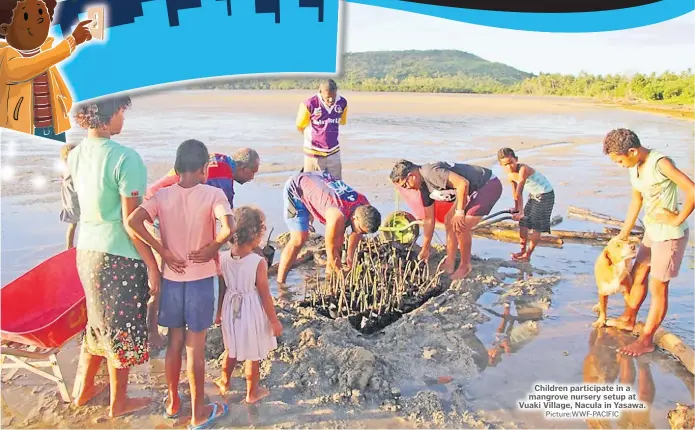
x=246, y=309
x=535, y=216
x=475, y=191
x=319, y=195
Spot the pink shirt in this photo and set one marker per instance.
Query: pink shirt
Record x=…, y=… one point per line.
x=187, y=223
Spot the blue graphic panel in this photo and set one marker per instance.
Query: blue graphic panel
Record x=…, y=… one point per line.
x=152, y=42
x=573, y=22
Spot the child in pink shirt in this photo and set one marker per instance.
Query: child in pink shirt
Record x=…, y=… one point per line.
x=187, y=212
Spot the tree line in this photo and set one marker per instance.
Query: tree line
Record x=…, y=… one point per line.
x=667, y=88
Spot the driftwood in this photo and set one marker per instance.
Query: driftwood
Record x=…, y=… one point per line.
x=583, y=236
x=502, y=233
x=672, y=344
x=512, y=240
x=587, y=215
x=558, y=237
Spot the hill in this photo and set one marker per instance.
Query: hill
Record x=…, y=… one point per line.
x=419, y=71
x=400, y=65
x=449, y=71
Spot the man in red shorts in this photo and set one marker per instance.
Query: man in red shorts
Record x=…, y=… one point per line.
x=475, y=191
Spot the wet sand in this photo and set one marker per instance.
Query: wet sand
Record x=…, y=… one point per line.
x=559, y=137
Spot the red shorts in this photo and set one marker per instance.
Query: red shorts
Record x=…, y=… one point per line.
x=482, y=201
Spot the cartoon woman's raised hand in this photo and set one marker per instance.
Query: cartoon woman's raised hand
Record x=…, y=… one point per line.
x=81, y=32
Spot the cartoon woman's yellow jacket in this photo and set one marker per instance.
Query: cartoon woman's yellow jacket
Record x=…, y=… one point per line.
x=16, y=88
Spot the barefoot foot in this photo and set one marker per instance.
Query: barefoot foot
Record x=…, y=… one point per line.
x=601, y=322
x=129, y=406
x=518, y=254
x=637, y=348
x=461, y=273
x=448, y=266
x=622, y=323
x=88, y=394
x=259, y=394
x=223, y=385
x=523, y=257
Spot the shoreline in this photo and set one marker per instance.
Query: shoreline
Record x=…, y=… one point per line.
x=677, y=111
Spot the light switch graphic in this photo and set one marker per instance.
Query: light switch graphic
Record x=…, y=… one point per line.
x=96, y=14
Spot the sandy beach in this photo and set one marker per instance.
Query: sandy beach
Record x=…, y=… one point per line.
x=431, y=368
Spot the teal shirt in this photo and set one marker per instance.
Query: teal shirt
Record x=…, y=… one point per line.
x=537, y=184
x=103, y=171
x=658, y=192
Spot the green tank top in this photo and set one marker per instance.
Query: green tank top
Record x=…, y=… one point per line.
x=658, y=192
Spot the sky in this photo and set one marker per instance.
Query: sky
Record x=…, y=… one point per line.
x=669, y=45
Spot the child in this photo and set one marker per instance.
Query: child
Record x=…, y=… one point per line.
x=187, y=213
x=655, y=183
x=71, y=207
x=535, y=216
x=246, y=310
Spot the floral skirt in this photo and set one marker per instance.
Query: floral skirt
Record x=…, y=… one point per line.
x=117, y=292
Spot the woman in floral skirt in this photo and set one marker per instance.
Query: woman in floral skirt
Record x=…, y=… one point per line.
x=110, y=180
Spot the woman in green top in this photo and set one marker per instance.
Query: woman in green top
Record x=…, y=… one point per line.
x=114, y=269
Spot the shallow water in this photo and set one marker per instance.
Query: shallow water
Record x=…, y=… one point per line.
x=581, y=174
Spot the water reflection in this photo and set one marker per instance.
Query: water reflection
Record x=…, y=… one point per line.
x=604, y=365
x=514, y=331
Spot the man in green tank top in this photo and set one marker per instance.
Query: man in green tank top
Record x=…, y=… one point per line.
x=655, y=183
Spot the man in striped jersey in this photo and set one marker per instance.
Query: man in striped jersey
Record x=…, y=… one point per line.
x=319, y=119
x=33, y=96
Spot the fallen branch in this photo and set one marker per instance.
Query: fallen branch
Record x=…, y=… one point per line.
x=587, y=215
x=513, y=234
x=558, y=237
x=672, y=344
x=583, y=236
x=614, y=231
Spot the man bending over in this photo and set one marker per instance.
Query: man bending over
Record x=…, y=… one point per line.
x=320, y=196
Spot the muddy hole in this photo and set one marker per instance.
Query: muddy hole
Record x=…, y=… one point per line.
x=386, y=282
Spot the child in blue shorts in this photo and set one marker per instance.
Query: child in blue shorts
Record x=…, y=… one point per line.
x=187, y=213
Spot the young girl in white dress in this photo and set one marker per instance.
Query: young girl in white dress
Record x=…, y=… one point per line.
x=246, y=308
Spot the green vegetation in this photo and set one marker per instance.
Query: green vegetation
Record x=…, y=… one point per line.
x=461, y=72
x=669, y=88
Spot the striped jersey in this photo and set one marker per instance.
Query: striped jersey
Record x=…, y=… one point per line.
x=220, y=175
x=320, y=125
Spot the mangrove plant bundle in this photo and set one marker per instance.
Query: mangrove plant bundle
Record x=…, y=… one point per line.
x=386, y=281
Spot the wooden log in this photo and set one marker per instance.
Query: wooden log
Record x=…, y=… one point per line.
x=582, y=211
x=587, y=215
x=514, y=234
x=512, y=240
x=672, y=344
x=614, y=231
x=557, y=219
x=589, y=236
x=557, y=236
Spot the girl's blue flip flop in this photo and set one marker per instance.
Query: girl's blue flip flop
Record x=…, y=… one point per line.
x=213, y=417
x=166, y=414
